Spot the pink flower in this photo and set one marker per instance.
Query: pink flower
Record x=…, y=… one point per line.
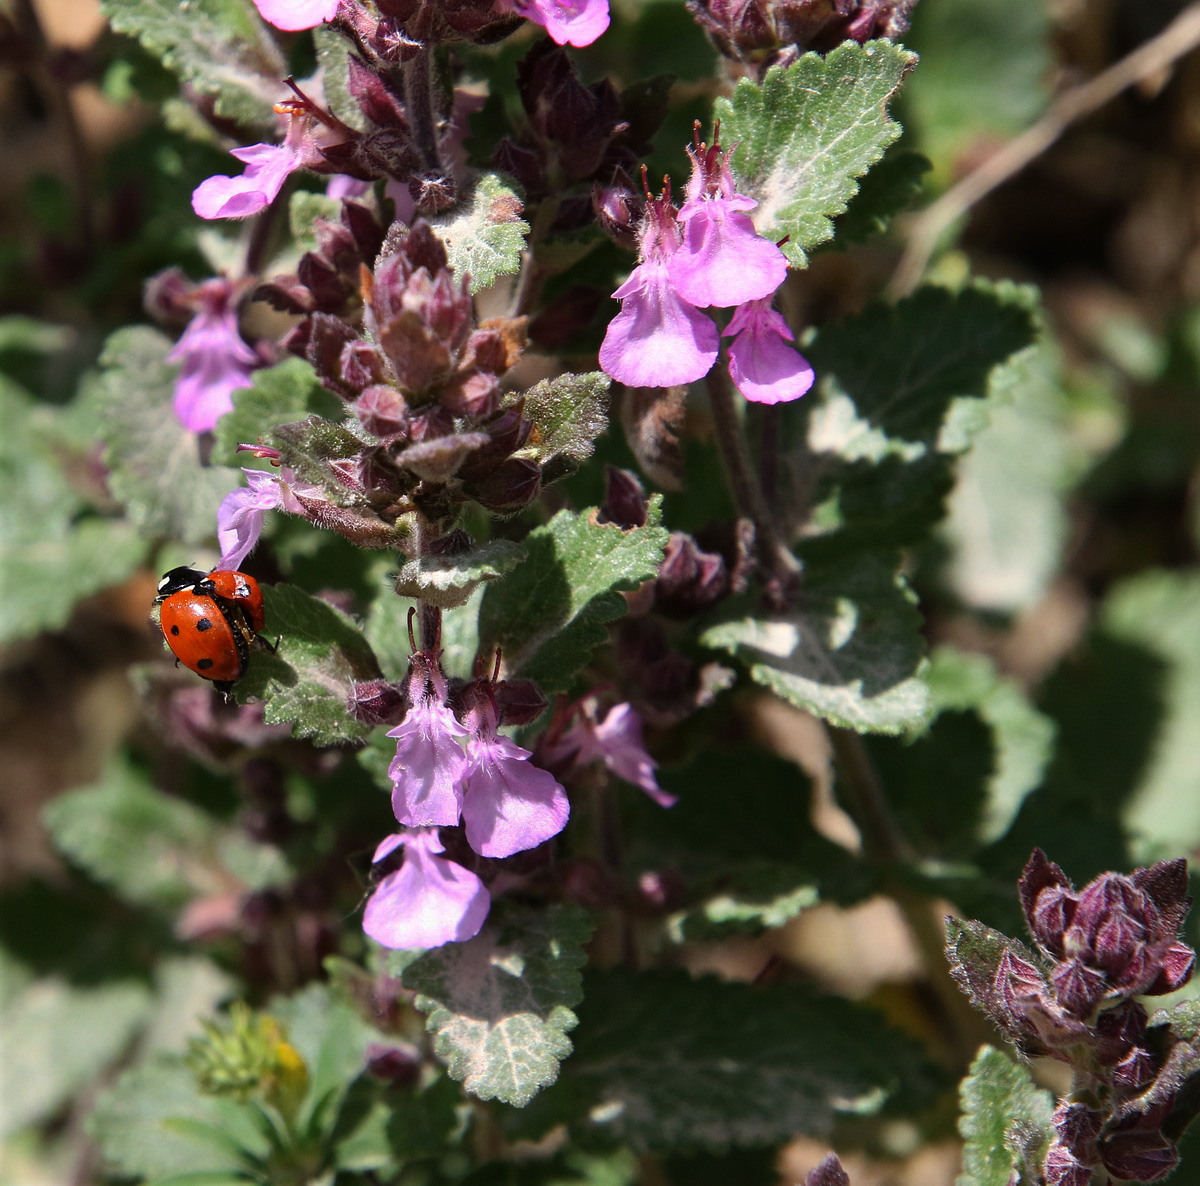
x=342, y=185
x=509, y=804
x=293, y=15
x=762, y=365
x=569, y=22
x=215, y=362
x=429, y=765
x=267, y=168
x=723, y=260
x=657, y=339
x=429, y=900
x=241, y=513
x=619, y=739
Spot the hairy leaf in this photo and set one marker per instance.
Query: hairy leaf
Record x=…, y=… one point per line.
x=550, y=613
x=307, y=680
x=849, y=653
x=220, y=47
x=808, y=132
x=485, y=234
x=887, y=190
x=663, y=1061
x=568, y=413
x=449, y=581
x=1005, y=1120
x=500, y=1004
x=154, y=462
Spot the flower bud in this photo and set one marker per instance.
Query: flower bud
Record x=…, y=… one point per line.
x=624, y=499
x=383, y=412
x=513, y=484
x=377, y=702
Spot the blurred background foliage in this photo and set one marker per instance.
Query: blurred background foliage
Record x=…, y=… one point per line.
x=1067, y=564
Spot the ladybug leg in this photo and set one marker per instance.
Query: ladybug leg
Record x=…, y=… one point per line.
x=225, y=687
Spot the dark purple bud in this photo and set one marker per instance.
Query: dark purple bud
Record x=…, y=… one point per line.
x=1141, y=1155
x=1118, y=940
x=1175, y=969
x=829, y=1173
x=167, y=298
x=359, y=366
x=1041, y=874
x=618, y=210
x=1165, y=884
x=689, y=580
x=739, y=28
x=376, y=702
x=520, y=163
x=1135, y=1070
x=470, y=393
x=327, y=337
x=1118, y=1031
x=1079, y=988
x=438, y=459
x=513, y=484
x=383, y=412
x=364, y=229
x=519, y=701
x=397, y=1065
x=375, y=98
x=867, y=19
x=433, y=193
x=624, y=499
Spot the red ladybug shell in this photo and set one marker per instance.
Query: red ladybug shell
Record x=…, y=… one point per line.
x=202, y=637
x=239, y=591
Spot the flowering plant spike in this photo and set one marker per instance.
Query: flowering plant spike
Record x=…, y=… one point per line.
x=525, y=536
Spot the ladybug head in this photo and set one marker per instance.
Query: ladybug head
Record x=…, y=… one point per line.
x=177, y=579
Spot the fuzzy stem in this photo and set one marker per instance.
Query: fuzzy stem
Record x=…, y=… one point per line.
x=418, y=76
x=739, y=474
x=888, y=849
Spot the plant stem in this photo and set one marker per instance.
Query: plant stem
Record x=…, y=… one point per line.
x=888, y=849
x=418, y=78
x=743, y=482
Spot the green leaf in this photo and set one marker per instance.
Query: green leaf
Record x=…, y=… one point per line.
x=808, y=132
x=499, y=1005
x=568, y=413
x=887, y=190
x=903, y=390
x=307, y=681
x=449, y=581
x=151, y=848
x=304, y=208
x=666, y=1062
x=1005, y=1120
x=49, y=558
x=378, y=1127
x=58, y=1039
x=484, y=234
x=550, y=613
x=154, y=1122
x=155, y=463
x=850, y=652
x=277, y=395
x=1160, y=613
x=748, y=870
x=1023, y=737
x=333, y=55
x=1008, y=521
x=220, y=47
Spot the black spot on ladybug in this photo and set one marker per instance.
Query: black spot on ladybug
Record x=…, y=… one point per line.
x=203, y=624
x=174, y=629
x=203, y=664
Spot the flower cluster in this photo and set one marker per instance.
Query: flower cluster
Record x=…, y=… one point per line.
x=706, y=254
x=1100, y=949
x=763, y=33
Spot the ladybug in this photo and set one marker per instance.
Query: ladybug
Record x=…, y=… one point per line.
x=210, y=621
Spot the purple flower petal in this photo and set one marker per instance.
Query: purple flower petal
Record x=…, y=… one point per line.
x=214, y=361
x=620, y=739
x=509, y=804
x=241, y=513
x=762, y=365
x=267, y=168
x=569, y=22
x=293, y=15
x=723, y=260
x=428, y=901
x=657, y=339
x=429, y=765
